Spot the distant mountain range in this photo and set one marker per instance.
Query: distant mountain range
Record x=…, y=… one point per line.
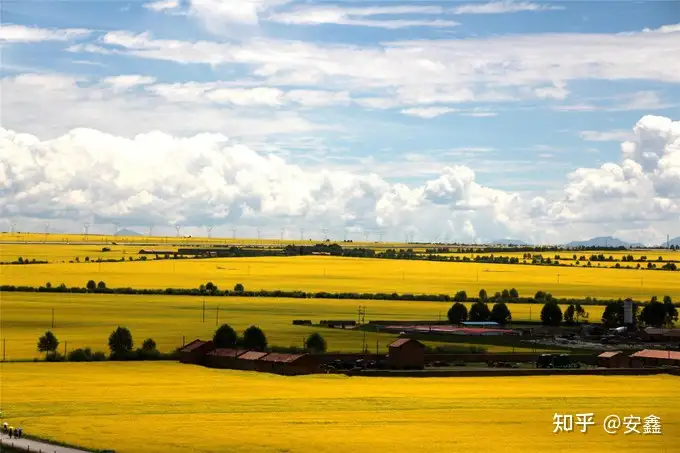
x=604, y=241
x=508, y=242
x=126, y=232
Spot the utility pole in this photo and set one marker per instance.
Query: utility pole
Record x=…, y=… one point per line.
x=217, y=315
x=302, y=234
x=13, y=226
x=283, y=230
x=558, y=278
x=150, y=231
x=53, y=318
x=47, y=230
x=380, y=236
x=4, y=349
x=259, y=234
x=203, y=310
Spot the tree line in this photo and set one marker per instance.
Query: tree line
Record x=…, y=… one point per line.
x=121, y=347
x=254, y=339
x=210, y=289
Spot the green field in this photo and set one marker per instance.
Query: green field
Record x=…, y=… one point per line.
x=172, y=408
x=87, y=319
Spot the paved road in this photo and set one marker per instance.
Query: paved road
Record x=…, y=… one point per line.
x=35, y=446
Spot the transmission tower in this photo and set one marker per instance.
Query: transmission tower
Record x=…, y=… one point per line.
x=283, y=230
x=13, y=226
x=233, y=233
x=209, y=231
x=87, y=229
x=177, y=228
x=302, y=234
x=325, y=234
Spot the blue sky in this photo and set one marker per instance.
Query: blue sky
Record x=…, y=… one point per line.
x=521, y=93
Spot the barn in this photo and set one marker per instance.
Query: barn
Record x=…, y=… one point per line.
x=249, y=360
x=613, y=359
x=195, y=351
x=406, y=353
x=654, y=358
x=223, y=357
x=288, y=364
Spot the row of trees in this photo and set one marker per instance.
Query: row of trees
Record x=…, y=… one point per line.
x=654, y=313
x=480, y=312
x=253, y=338
x=120, y=343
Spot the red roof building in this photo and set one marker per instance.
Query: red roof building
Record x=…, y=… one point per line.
x=406, y=353
x=613, y=359
x=655, y=357
x=195, y=351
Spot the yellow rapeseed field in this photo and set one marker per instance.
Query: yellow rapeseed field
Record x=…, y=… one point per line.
x=87, y=319
x=169, y=407
x=325, y=273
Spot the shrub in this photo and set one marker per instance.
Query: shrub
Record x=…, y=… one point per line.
x=149, y=345
x=80, y=355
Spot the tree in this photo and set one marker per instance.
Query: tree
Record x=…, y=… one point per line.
x=48, y=343
x=569, y=314
x=91, y=285
x=225, y=337
x=551, y=314
x=514, y=294
x=671, y=312
x=505, y=295
x=500, y=313
x=654, y=314
x=581, y=313
x=254, y=338
x=316, y=343
x=210, y=287
x=461, y=296
x=239, y=288
x=120, y=342
x=149, y=345
x=457, y=313
x=612, y=316
x=479, y=312
x=483, y=296
x=101, y=285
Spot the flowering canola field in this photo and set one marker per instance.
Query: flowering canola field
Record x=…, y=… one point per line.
x=169, y=407
x=87, y=319
x=337, y=274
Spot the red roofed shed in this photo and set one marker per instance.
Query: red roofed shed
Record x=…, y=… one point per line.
x=249, y=360
x=655, y=357
x=613, y=359
x=288, y=364
x=406, y=353
x=223, y=357
x=195, y=351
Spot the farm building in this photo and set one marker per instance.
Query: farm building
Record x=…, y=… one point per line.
x=658, y=334
x=406, y=353
x=195, y=351
x=223, y=358
x=249, y=360
x=613, y=359
x=655, y=357
x=288, y=364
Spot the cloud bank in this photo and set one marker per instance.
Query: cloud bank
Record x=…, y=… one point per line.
x=206, y=179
